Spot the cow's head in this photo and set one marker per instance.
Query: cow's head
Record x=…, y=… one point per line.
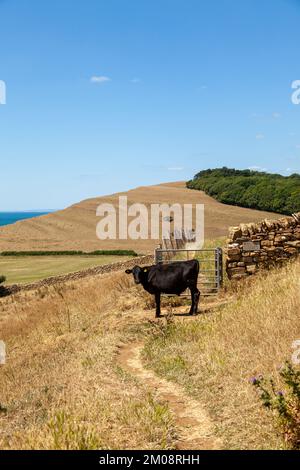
x=138, y=273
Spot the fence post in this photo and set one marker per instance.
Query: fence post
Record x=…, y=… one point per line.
x=216, y=269
x=158, y=256
x=220, y=255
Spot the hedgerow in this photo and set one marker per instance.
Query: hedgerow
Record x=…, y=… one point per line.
x=70, y=253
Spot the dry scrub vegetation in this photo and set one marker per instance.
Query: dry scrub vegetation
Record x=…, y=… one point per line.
x=215, y=355
x=61, y=387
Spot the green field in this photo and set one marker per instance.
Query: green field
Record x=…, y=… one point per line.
x=33, y=268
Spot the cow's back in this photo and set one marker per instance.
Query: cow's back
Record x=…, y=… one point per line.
x=173, y=278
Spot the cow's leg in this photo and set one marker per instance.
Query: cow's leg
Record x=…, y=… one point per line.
x=196, y=300
x=195, y=295
x=193, y=301
x=157, y=301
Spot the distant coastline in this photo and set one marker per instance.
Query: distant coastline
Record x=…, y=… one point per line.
x=8, y=218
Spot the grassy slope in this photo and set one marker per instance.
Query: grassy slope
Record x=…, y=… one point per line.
x=75, y=227
x=61, y=387
x=32, y=268
x=215, y=356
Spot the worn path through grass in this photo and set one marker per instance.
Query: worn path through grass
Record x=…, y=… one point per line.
x=194, y=428
x=195, y=431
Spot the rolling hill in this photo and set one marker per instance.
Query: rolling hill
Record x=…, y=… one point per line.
x=74, y=228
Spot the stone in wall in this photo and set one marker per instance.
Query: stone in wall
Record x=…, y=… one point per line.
x=252, y=247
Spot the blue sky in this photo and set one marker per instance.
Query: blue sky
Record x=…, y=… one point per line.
x=106, y=95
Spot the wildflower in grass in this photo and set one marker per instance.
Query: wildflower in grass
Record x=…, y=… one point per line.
x=285, y=404
x=253, y=380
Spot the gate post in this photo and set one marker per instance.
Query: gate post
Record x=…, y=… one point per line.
x=158, y=258
x=217, y=282
x=220, y=255
x=219, y=267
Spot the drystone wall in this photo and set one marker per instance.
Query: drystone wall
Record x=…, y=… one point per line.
x=252, y=247
x=98, y=270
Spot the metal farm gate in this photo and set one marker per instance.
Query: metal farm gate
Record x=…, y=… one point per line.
x=210, y=278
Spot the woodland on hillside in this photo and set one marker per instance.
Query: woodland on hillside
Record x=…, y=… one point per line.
x=252, y=189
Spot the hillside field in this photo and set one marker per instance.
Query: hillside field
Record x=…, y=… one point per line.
x=28, y=269
x=66, y=386
x=75, y=227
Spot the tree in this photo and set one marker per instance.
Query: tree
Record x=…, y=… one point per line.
x=253, y=189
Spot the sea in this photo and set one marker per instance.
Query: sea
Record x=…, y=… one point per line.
x=8, y=218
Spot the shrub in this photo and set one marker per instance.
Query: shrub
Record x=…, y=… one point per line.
x=285, y=403
x=253, y=189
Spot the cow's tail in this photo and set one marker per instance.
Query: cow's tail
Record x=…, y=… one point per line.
x=197, y=264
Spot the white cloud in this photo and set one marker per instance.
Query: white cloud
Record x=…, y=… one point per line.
x=298, y=146
x=201, y=88
x=256, y=168
x=276, y=115
x=256, y=115
x=100, y=79
x=260, y=136
x=175, y=168
x=135, y=80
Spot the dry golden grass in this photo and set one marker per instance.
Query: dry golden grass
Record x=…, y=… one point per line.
x=61, y=387
x=75, y=227
x=215, y=355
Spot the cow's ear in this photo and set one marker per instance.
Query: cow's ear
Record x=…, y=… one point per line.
x=128, y=271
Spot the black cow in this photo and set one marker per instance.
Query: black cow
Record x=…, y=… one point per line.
x=173, y=278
